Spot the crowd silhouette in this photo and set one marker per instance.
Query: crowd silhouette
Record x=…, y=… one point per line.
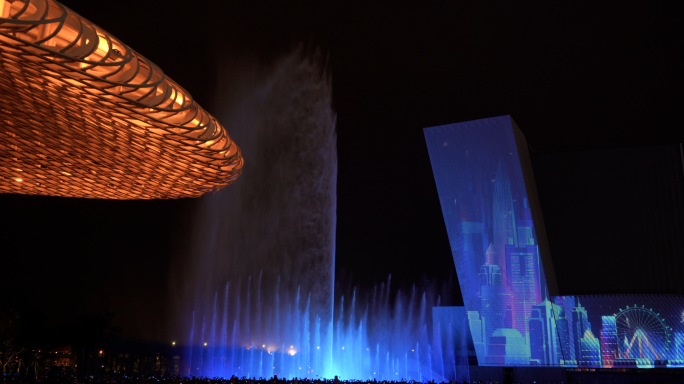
x=64, y=378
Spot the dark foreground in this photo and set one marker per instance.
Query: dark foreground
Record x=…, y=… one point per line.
x=72, y=379
x=673, y=376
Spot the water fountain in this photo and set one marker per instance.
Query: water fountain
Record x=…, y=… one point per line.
x=254, y=295
x=377, y=335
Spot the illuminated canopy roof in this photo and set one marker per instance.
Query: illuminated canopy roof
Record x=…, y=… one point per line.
x=83, y=115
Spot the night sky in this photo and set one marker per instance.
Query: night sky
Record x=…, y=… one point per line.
x=573, y=78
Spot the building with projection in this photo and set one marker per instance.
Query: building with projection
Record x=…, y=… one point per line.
x=563, y=329
x=580, y=327
x=495, y=227
x=84, y=115
x=679, y=344
x=544, y=343
x=591, y=350
x=609, y=346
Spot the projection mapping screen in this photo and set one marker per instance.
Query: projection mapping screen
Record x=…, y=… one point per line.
x=512, y=319
x=620, y=331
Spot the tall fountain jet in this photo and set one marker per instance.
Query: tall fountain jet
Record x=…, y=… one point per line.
x=253, y=292
x=260, y=267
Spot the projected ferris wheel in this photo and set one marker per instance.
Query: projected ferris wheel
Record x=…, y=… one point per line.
x=642, y=333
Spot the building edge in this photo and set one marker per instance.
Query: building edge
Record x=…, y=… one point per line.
x=535, y=207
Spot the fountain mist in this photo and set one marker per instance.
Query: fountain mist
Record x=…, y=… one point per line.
x=255, y=296
x=272, y=232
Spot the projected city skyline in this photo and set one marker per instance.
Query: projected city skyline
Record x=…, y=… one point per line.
x=621, y=331
x=493, y=241
x=512, y=318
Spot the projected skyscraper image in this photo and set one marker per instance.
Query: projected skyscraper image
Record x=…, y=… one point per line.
x=513, y=320
x=494, y=245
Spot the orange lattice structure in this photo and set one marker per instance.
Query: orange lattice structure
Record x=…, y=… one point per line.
x=83, y=115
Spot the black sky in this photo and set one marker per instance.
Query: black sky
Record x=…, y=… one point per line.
x=573, y=78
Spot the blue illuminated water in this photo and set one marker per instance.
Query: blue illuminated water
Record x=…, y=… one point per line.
x=377, y=335
x=253, y=293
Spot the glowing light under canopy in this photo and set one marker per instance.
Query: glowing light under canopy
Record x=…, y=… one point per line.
x=83, y=115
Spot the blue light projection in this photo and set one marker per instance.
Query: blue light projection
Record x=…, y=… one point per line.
x=494, y=245
x=452, y=342
x=622, y=331
x=512, y=319
x=377, y=335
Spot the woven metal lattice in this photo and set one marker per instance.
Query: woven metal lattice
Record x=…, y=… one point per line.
x=83, y=115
